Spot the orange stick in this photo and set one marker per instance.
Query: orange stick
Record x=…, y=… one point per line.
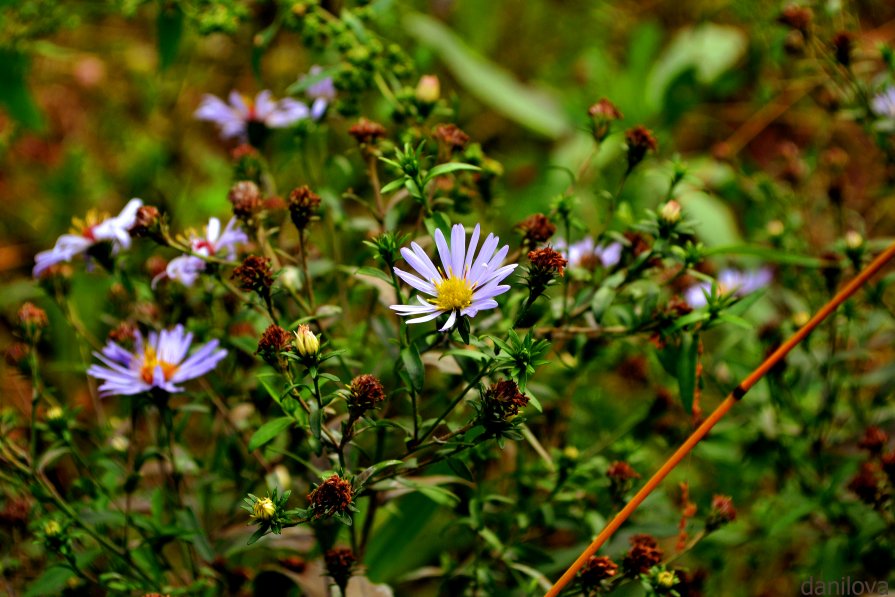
x=701, y=431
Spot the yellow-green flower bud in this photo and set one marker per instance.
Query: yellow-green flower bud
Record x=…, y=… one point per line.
x=264, y=509
x=671, y=212
x=55, y=413
x=52, y=529
x=666, y=579
x=306, y=342
x=428, y=90
x=853, y=240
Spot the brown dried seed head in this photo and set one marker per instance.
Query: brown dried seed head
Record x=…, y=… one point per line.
x=245, y=196
x=333, y=496
x=366, y=131
x=303, y=206
x=366, y=392
x=451, y=135
x=254, y=274
x=536, y=229
x=548, y=260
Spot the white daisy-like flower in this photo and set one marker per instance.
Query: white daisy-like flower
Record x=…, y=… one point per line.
x=186, y=268
x=89, y=232
x=234, y=118
x=464, y=284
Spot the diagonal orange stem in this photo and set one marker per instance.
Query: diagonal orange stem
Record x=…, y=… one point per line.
x=738, y=392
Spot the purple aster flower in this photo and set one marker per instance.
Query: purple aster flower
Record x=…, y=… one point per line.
x=730, y=281
x=159, y=362
x=233, y=119
x=462, y=285
x=586, y=253
x=88, y=232
x=186, y=268
x=883, y=104
x=322, y=91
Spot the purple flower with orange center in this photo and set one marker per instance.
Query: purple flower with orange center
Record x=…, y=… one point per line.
x=464, y=284
x=160, y=362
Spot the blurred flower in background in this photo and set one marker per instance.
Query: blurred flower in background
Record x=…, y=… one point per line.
x=730, y=281
x=88, y=232
x=883, y=103
x=587, y=254
x=320, y=89
x=233, y=119
x=186, y=268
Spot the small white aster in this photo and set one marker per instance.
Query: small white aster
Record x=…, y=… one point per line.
x=186, y=268
x=90, y=232
x=464, y=285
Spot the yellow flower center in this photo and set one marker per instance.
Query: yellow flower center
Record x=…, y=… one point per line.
x=151, y=361
x=84, y=226
x=453, y=293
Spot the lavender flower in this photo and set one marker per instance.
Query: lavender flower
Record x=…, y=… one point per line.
x=234, y=118
x=586, y=253
x=322, y=91
x=89, y=232
x=730, y=281
x=462, y=285
x=186, y=268
x=157, y=363
x=883, y=103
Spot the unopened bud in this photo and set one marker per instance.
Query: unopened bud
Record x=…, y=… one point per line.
x=146, y=222
x=306, y=343
x=640, y=140
x=853, y=240
x=54, y=414
x=33, y=319
x=671, y=212
x=602, y=114
x=428, y=90
x=264, y=509
x=775, y=228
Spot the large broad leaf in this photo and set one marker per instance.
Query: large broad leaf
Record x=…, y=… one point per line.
x=709, y=50
x=488, y=82
x=14, y=93
x=715, y=222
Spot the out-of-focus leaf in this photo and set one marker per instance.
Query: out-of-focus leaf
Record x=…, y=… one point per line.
x=14, y=93
x=410, y=356
x=487, y=81
x=170, y=31
x=268, y=431
x=686, y=369
x=715, y=222
x=709, y=50
x=442, y=169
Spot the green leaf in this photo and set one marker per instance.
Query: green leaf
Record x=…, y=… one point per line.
x=606, y=294
x=361, y=479
x=268, y=431
x=170, y=31
x=392, y=186
x=14, y=93
x=686, y=369
x=443, y=169
x=374, y=273
x=257, y=535
x=488, y=82
x=716, y=223
x=410, y=356
x=768, y=254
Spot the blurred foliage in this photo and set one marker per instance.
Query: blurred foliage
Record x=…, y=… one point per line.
x=767, y=139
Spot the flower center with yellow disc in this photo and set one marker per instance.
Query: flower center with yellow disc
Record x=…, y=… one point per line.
x=453, y=293
x=151, y=361
x=84, y=226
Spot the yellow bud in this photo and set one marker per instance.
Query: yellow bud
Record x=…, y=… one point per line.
x=55, y=413
x=666, y=579
x=264, y=509
x=800, y=318
x=306, y=342
x=571, y=452
x=775, y=228
x=119, y=443
x=671, y=212
x=52, y=529
x=853, y=240
x=428, y=90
